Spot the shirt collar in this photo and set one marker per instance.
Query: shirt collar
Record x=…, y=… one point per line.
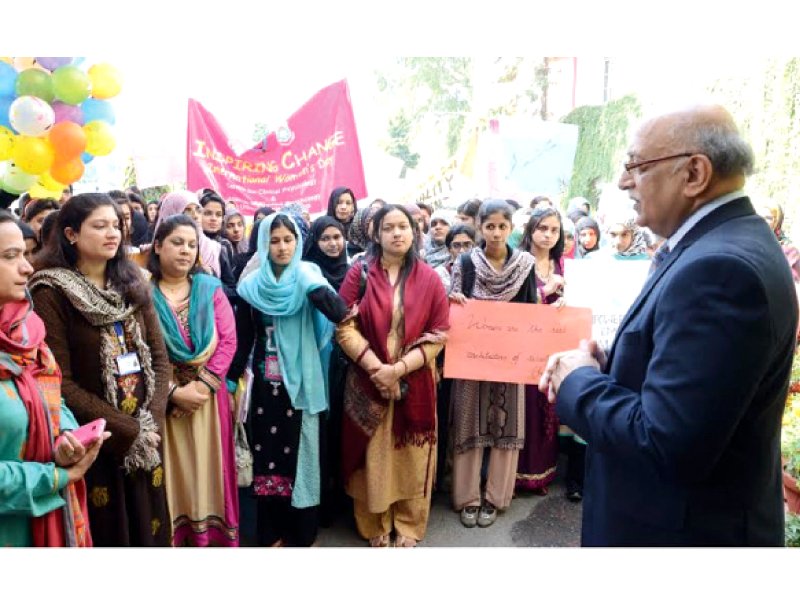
x=696, y=216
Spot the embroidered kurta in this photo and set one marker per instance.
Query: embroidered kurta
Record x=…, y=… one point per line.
x=276, y=428
x=124, y=509
x=391, y=474
x=199, y=458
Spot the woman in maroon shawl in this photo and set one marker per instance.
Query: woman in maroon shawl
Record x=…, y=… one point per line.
x=389, y=429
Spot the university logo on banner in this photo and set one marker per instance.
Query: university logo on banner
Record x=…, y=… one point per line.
x=303, y=162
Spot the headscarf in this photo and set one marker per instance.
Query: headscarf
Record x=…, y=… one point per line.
x=638, y=244
x=437, y=254
x=777, y=221
x=334, y=269
x=295, y=210
x=175, y=203
x=26, y=360
x=358, y=240
x=586, y=223
x=241, y=245
x=302, y=333
x=334, y=200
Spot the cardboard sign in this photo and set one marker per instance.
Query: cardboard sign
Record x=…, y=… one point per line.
x=510, y=342
x=608, y=287
x=304, y=161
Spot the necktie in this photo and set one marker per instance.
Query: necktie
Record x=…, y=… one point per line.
x=659, y=257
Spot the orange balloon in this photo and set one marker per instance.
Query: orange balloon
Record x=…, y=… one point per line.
x=68, y=140
x=68, y=171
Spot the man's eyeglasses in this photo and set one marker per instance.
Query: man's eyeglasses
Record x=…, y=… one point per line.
x=461, y=245
x=631, y=166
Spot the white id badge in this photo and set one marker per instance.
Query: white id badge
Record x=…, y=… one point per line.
x=272, y=369
x=127, y=364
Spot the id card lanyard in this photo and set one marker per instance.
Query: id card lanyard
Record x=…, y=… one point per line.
x=127, y=362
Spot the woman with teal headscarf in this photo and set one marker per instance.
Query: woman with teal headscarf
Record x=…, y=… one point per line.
x=287, y=326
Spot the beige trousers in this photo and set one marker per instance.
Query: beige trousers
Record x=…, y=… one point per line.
x=408, y=518
x=499, y=482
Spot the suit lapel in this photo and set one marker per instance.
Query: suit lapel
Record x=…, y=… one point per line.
x=740, y=207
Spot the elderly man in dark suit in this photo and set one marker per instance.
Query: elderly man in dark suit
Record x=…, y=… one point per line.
x=683, y=417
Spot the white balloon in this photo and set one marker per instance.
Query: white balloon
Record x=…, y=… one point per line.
x=30, y=115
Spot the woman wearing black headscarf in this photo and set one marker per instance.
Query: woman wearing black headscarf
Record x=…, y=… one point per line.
x=342, y=207
x=325, y=247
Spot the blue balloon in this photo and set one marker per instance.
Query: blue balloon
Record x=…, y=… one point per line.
x=87, y=158
x=98, y=110
x=5, y=104
x=8, y=80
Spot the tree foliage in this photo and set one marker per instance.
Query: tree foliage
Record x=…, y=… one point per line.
x=602, y=138
x=767, y=109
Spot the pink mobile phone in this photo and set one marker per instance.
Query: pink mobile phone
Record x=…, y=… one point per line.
x=91, y=432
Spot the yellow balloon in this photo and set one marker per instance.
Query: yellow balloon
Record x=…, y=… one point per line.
x=46, y=181
x=99, y=138
x=39, y=192
x=7, y=59
x=106, y=81
x=33, y=155
x=7, y=140
x=24, y=62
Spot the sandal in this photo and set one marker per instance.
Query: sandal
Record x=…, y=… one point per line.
x=405, y=542
x=379, y=541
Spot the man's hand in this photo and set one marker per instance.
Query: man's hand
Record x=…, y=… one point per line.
x=562, y=364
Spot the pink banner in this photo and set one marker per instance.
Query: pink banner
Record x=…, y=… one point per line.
x=304, y=161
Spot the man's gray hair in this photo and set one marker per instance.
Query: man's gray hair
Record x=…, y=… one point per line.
x=729, y=153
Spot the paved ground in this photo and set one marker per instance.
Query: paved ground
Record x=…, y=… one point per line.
x=530, y=521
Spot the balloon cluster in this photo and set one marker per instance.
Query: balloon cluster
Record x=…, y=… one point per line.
x=55, y=117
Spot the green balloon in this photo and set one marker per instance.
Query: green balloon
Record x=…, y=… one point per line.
x=71, y=85
x=35, y=82
x=16, y=181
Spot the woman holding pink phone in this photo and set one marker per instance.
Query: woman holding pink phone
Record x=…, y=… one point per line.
x=42, y=492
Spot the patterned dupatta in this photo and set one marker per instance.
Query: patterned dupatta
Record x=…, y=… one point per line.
x=202, y=330
x=25, y=358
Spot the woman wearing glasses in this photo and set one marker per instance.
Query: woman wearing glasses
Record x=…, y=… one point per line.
x=460, y=239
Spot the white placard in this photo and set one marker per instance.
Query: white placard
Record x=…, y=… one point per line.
x=607, y=286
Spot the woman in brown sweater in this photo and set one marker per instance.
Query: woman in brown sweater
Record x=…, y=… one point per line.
x=105, y=335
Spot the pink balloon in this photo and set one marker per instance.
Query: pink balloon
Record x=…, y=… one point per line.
x=67, y=112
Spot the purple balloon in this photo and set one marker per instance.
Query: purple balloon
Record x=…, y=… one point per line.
x=51, y=63
x=67, y=112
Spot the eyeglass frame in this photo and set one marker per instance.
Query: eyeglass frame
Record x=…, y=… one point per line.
x=631, y=166
x=460, y=245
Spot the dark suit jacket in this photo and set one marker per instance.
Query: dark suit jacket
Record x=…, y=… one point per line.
x=683, y=427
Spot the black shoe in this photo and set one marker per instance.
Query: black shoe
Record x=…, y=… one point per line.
x=574, y=492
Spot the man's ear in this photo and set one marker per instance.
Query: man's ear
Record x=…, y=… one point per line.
x=700, y=172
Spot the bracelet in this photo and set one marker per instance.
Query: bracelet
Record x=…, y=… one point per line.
x=405, y=366
x=172, y=388
x=360, y=356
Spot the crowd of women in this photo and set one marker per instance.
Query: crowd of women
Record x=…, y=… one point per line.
x=321, y=343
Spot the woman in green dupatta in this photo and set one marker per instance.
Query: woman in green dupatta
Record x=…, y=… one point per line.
x=287, y=325
x=200, y=334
